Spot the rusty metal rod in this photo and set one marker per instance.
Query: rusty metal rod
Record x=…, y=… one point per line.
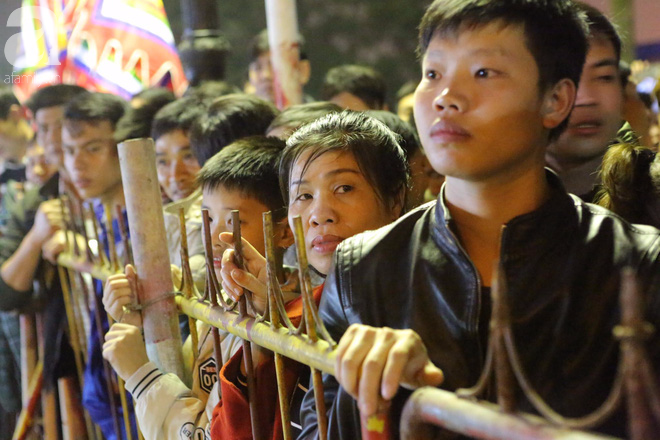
x=311, y=323
x=213, y=296
x=430, y=406
x=275, y=323
x=187, y=284
x=247, y=346
x=318, y=355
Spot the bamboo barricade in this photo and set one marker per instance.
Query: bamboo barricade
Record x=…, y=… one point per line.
x=310, y=344
x=137, y=159
x=283, y=40
x=459, y=412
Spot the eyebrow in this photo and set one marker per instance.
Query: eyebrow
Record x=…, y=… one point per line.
x=488, y=51
x=87, y=143
x=329, y=174
x=608, y=62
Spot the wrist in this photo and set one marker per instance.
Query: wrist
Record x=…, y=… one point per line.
x=33, y=239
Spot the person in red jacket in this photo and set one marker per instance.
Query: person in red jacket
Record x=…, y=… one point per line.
x=343, y=174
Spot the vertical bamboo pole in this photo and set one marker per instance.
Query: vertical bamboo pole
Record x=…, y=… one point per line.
x=282, y=21
x=28, y=353
x=137, y=159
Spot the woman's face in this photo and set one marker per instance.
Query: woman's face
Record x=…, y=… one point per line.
x=335, y=201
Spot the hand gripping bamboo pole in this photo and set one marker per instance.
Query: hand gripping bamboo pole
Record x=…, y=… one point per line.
x=137, y=159
x=283, y=40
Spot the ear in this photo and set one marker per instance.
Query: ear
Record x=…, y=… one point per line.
x=558, y=103
x=398, y=204
x=304, y=71
x=283, y=234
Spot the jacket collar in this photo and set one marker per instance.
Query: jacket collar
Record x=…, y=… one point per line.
x=524, y=232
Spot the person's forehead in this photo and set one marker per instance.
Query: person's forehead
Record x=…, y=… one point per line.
x=50, y=114
x=600, y=47
x=494, y=38
x=81, y=130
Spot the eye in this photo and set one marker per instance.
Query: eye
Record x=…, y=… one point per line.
x=303, y=196
x=341, y=189
x=484, y=73
x=430, y=74
x=606, y=78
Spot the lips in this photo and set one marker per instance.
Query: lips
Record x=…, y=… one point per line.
x=82, y=183
x=326, y=244
x=585, y=127
x=446, y=131
x=217, y=262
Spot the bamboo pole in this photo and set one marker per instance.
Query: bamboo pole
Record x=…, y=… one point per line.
x=137, y=159
x=283, y=40
x=433, y=406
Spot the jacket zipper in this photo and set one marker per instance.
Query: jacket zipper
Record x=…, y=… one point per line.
x=474, y=324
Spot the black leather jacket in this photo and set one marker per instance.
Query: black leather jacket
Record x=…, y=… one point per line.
x=561, y=264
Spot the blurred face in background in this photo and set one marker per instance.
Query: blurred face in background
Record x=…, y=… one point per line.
x=40, y=166
x=176, y=165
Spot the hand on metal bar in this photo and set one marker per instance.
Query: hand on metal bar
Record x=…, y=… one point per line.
x=119, y=293
x=252, y=278
x=373, y=362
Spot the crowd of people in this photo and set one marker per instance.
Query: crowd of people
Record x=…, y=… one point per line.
x=524, y=152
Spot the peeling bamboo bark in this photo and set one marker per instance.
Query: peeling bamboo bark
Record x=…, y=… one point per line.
x=137, y=159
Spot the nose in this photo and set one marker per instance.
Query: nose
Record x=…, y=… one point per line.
x=585, y=95
x=322, y=212
x=450, y=100
x=178, y=170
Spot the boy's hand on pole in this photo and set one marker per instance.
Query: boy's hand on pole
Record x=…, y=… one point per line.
x=373, y=362
x=125, y=350
x=119, y=293
x=253, y=278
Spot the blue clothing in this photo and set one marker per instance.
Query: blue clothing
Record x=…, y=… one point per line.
x=95, y=396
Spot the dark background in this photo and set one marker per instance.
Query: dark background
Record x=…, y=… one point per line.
x=378, y=33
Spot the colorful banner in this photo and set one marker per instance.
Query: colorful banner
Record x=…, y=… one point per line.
x=117, y=46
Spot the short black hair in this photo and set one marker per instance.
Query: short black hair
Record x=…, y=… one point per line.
x=555, y=31
x=178, y=115
x=249, y=165
x=600, y=26
x=260, y=45
x=95, y=107
x=227, y=119
x=409, y=140
x=7, y=99
x=300, y=114
x=154, y=96
x=52, y=96
x=136, y=122
x=211, y=89
x=375, y=147
x=362, y=81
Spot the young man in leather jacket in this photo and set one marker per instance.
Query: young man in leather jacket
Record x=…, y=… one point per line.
x=410, y=302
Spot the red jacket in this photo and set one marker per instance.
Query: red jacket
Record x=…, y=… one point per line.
x=231, y=416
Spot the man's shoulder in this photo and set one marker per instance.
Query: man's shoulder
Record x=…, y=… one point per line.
x=601, y=224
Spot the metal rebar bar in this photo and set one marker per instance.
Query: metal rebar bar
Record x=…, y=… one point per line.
x=213, y=297
x=271, y=262
x=311, y=323
x=247, y=346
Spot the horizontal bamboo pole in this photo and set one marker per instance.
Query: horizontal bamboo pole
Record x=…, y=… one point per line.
x=81, y=264
x=318, y=355
x=430, y=406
